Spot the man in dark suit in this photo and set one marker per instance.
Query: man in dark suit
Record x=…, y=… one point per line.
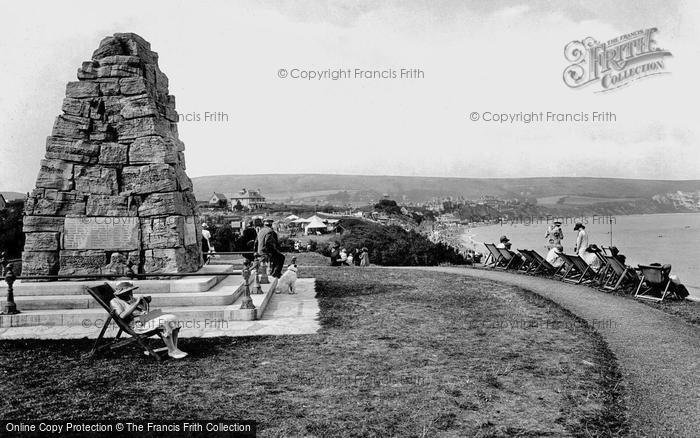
x=268, y=247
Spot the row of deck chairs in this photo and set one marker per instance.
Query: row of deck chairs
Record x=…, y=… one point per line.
x=650, y=282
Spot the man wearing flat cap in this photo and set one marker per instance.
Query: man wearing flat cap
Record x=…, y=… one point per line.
x=267, y=246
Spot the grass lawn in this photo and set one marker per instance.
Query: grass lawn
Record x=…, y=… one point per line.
x=688, y=310
x=400, y=353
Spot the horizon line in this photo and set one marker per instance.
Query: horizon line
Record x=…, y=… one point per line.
x=440, y=177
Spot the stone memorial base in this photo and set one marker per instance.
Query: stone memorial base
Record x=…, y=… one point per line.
x=195, y=301
x=284, y=315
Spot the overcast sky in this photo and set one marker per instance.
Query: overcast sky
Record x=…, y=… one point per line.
x=480, y=56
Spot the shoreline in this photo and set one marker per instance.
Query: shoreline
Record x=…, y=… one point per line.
x=468, y=238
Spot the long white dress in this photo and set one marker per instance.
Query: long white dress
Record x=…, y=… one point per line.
x=590, y=258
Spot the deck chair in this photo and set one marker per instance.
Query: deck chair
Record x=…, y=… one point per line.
x=103, y=294
x=654, y=283
x=543, y=265
x=602, y=273
x=617, y=274
x=494, y=255
x=576, y=269
x=530, y=264
x=511, y=259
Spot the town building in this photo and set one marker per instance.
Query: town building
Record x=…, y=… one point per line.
x=218, y=200
x=244, y=199
x=248, y=199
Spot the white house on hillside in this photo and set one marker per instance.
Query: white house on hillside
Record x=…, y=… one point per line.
x=250, y=199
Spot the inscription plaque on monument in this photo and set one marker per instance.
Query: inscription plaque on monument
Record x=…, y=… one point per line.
x=190, y=231
x=108, y=233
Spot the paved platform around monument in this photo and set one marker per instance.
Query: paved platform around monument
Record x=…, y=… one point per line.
x=172, y=285
x=282, y=314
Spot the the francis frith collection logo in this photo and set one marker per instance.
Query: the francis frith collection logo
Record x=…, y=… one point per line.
x=616, y=62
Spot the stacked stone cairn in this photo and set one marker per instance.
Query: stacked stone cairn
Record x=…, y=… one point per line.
x=112, y=187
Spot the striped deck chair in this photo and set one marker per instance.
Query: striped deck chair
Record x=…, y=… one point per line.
x=654, y=283
x=494, y=255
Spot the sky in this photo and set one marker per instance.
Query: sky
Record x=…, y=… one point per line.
x=476, y=57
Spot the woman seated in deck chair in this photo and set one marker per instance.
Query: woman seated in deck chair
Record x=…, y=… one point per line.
x=553, y=256
x=129, y=308
x=589, y=256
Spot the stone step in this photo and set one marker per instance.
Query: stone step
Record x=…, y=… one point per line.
x=215, y=298
x=146, y=287
x=192, y=316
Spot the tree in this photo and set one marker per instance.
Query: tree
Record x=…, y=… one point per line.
x=223, y=238
x=388, y=206
x=394, y=246
x=11, y=235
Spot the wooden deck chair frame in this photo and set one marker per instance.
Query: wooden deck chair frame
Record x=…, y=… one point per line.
x=530, y=265
x=577, y=270
x=656, y=279
x=617, y=273
x=543, y=264
x=602, y=273
x=510, y=258
x=494, y=255
x=103, y=294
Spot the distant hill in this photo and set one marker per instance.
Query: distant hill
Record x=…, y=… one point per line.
x=359, y=188
x=9, y=196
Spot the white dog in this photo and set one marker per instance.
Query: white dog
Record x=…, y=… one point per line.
x=288, y=280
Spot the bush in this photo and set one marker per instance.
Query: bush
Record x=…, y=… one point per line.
x=388, y=206
x=312, y=245
x=11, y=235
x=223, y=238
x=286, y=244
x=394, y=246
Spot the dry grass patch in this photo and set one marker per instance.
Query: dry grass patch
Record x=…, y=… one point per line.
x=400, y=353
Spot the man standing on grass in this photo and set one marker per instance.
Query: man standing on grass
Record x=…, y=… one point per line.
x=267, y=246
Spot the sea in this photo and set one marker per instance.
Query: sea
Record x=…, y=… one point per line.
x=643, y=239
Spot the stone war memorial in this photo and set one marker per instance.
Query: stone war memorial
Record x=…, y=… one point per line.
x=112, y=200
x=112, y=188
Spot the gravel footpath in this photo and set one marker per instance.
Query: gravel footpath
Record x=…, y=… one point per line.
x=658, y=354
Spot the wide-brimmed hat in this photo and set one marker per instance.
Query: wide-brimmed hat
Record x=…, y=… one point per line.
x=593, y=248
x=204, y=225
x=504, y=239
x=268, y=220
x=124, y=287
x=557, y=222
x=578, y=226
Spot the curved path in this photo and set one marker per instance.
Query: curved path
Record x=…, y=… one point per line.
x=658, y=354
